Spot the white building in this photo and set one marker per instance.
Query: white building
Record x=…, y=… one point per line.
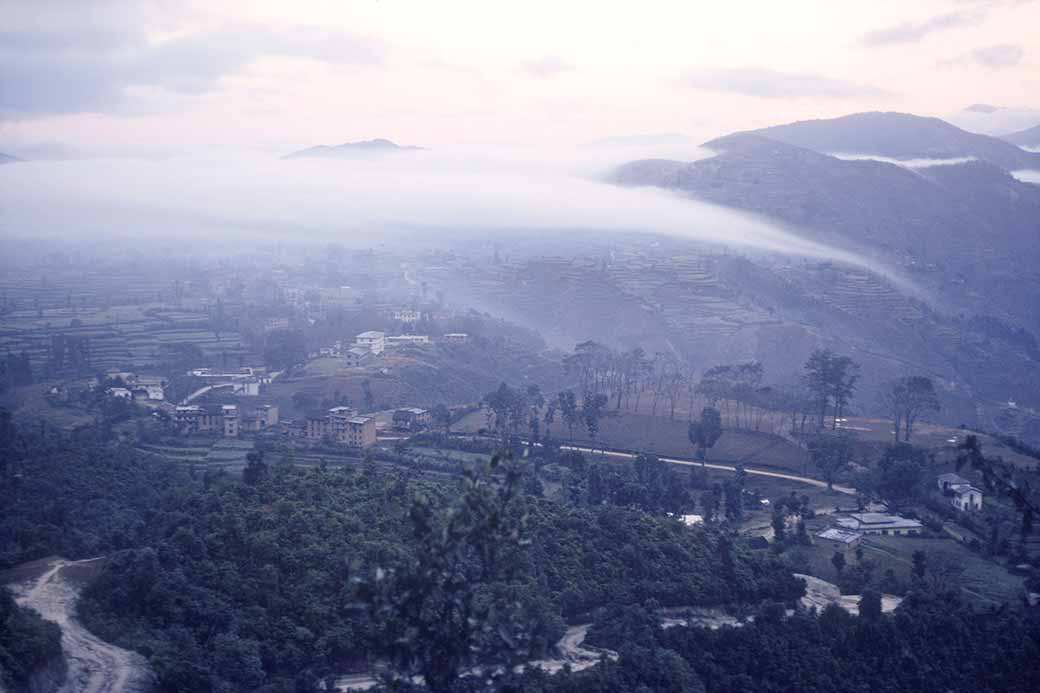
x=963, y=495
x=880, y=523
x=456, y=337
x=840, y=539
x=120, y=392
x=407, y=315
x=373, y=340
x=407, y=339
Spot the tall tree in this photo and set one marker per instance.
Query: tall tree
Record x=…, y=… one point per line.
x=905, y=399
x=705, y=433
x=831, y=453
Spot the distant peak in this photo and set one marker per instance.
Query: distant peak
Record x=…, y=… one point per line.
x=983, y=108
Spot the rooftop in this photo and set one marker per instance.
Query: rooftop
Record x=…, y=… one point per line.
x=370, y=334
x=843, y=535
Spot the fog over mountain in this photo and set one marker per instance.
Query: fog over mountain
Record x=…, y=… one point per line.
x=367, y=201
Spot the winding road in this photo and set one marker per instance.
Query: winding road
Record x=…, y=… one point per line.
x=847, y=490
x=94, y=666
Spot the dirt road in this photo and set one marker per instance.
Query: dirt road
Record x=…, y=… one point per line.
x=94, y=666
x=847, y=490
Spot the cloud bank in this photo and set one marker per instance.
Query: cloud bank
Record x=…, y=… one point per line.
x=751, y=81
x=912, y=32
x=421, y=194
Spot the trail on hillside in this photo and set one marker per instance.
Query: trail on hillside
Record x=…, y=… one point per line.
x=94, y=666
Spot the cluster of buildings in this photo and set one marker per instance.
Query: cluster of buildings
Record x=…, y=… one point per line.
x=849, y=530
x=137, y=387
x=227, y=419
x=343, y=425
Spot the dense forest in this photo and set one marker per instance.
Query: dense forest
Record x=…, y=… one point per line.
x=229, y=583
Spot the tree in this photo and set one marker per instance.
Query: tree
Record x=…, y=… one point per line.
x=900, y=474
x=285, y=349
x=831, y=453
x=830, y=378
x=441, y=416
x=569, y=410
x=838, y=561
x=905, y=399
x=1003, y=478
x=256, y=469
x=920, y=565
x=591, y=410
x=705, y=433
x=440, y=612
x=870, y=605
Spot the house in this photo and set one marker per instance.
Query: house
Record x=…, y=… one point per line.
x=407, y=339
x=456, y=338
x=338, y=418
x=231, y=422
x=355, y=357
x=407, y=315
x=360, y=432
x=273, y=324
x=260, y=418
x=945, y=481
x=879, y=523
x=373, y=340
x=842, y=540
x=963, y=495
x=411, y=419
x=196, y=418
x=316, y=427
x=343, y=425
x=119, y=392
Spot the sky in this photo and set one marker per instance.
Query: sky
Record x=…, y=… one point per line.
x=171, y=76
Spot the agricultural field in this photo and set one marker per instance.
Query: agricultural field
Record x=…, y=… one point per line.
x=129, y=336
x=983, y=582
x=662, y=436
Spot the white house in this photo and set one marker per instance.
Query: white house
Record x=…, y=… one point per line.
x=963, y=495
x=966, y=497
x=407, y=315
x=373, y=340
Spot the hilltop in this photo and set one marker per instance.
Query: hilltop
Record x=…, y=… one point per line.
x=899, y=136
x=1030, y=137
x=352, y=150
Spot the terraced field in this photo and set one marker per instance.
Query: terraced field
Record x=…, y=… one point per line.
x=129, y=336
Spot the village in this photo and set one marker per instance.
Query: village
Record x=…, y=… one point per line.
x=392, y=371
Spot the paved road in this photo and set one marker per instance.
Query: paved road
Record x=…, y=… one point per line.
x=848, y=490
x=94, y=666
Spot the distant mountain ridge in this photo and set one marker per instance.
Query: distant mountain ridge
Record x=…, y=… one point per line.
x=8, y=159
x=899, y=136
x=1030, y=137
x=352, y=149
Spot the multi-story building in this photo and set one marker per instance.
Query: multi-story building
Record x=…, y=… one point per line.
x=343, y=425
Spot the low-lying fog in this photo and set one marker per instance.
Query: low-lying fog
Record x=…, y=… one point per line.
x=245, y=194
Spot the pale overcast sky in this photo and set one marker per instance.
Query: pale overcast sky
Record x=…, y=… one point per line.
x=276, y=75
